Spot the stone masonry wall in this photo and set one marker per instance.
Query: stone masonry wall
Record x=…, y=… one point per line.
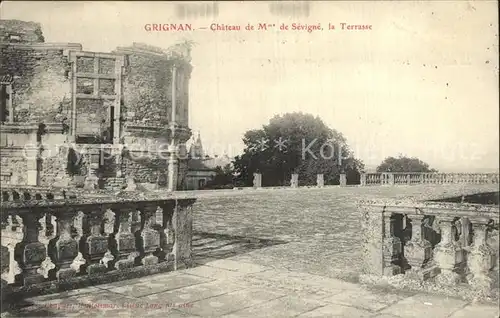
x=42, y=90
x=143, y=169
x=17, y=166
x=146, y=93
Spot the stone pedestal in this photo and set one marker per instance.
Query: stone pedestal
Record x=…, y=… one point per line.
x=183, y=230
x=373, y=240
x=294, y=181
x=343, y=180
x=257, y=180
x=320, y=181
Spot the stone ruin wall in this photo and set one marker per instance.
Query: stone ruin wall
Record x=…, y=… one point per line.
x=42, y=94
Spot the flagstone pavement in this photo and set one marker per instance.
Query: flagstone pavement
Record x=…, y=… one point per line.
x=231, y=288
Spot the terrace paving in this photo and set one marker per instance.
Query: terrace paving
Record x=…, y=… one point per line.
x=262, y=253
x=229, y=288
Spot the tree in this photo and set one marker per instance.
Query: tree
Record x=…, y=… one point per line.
x=404, y=164
x=294, y=143
x=223, y=178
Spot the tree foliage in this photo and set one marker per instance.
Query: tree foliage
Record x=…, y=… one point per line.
x=223, y=178
x=295, y=143
x=404, y=164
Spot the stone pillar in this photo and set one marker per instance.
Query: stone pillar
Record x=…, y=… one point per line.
x=372, y=231
x=294, y=181
x=363, y=179
x=448, y=254
x=257, y=180
x=408, y=179
x=417, y=250
x=32, y=166
x=481, y=257
x=94, y=158
x=173, y=169
x=392, y=247
x=183, y=229
x=173, y=159
x=320, y=181
x=343, y=180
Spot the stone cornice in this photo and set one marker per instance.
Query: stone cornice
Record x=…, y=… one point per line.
x=43, y=46
x=106, y=199
x=156, y=131
x=30, y=128
x=19, y=128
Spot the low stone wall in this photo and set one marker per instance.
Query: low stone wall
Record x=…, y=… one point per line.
x=53, y=240
x=411, y=178
x=443, y=247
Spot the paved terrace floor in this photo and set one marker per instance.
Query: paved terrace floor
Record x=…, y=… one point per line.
x=267, y=253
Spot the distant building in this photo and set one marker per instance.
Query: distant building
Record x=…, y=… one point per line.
x=201, y=167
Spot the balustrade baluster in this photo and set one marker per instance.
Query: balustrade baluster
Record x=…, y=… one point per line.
x=150, y=241
x=167, y=236
x=392, y=247
x=79, y=223
x=96, y=244
x=124, y=243
x=418, y=250
x=448, y=254
x=45, y=235
x=481, y=257
x=30, y=253
x=65, y=249
x=5, y=259
x=11, y=236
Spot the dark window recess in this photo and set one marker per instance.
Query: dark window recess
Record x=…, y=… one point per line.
x=4, y=106
x=84, y=86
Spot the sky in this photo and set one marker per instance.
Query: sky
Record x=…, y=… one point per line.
x=422, y=83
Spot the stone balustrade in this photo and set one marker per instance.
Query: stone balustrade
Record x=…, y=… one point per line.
x=403, y=178
x=57, y=243
x=448, y=245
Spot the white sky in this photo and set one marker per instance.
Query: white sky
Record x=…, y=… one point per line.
x=423, y=82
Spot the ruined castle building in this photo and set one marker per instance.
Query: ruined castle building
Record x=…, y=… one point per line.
x=73, y=117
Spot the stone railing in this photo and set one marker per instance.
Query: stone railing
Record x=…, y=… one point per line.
x=403, y=178
x=53, y=243
x=448, y=246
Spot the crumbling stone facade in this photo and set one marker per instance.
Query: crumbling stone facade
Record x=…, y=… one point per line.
x=105, y=117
